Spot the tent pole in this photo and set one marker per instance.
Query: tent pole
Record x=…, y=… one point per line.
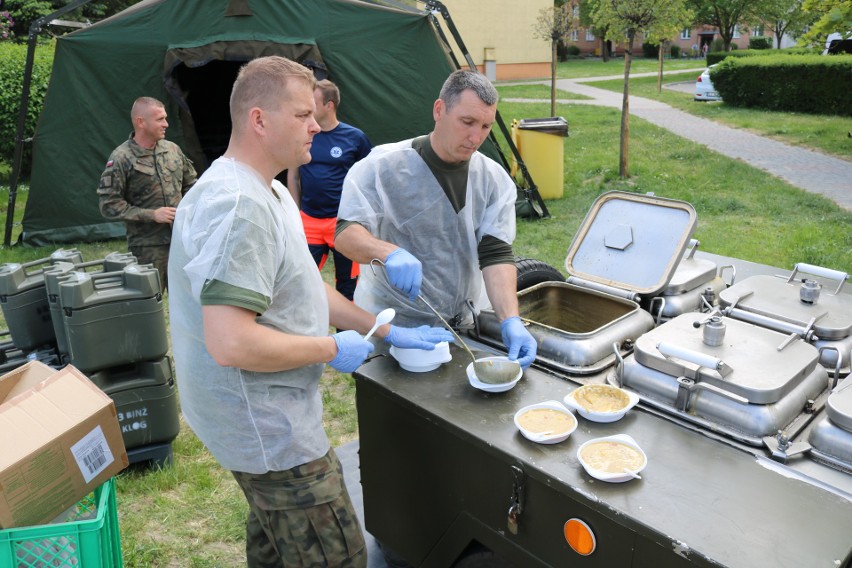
x=17, y=159
x=531, y=191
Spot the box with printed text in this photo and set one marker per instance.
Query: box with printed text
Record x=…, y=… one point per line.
x=59, y=440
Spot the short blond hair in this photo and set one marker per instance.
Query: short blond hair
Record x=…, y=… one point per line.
x=262, y=83
x=142, y=104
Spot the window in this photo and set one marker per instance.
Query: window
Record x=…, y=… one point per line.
x=575, y=12
x=590, y=36
x=736, y=32
x=686, y=33
x=757, y=30
x=574, y=34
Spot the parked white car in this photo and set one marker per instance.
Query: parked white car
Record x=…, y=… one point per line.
x=704, y=89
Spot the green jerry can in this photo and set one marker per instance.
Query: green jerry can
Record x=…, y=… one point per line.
x=10, y=356
x=113, y=318
x=23, y=299
x=59, y=272
x=146, y=404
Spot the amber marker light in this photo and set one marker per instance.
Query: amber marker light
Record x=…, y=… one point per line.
x=579, y=536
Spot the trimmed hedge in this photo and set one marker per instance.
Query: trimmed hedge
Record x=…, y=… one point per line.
x=760, y=42
x=14, y=58
x=807, y=83
x=717, y=56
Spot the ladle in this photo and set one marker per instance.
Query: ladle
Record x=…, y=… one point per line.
x=383, y=317
x=490, y=371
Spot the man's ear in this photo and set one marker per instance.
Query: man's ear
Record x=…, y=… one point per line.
x=256, y=119
x=438, y=109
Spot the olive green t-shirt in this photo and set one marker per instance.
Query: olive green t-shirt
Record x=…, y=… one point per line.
x=218, y=293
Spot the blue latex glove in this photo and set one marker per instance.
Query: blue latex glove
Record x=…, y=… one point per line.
x=404, y=272
x=352, y=349
x=423, y=337
x=517, y=339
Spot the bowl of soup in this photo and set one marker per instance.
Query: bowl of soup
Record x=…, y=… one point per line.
x=547, y=422
x=601, y=403
x=615, y=459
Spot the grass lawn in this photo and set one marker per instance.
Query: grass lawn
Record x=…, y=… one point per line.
x=592, y=67
x=192, y=514
x=826, y=133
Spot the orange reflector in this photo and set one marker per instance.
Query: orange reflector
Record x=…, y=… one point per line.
x=580, y=537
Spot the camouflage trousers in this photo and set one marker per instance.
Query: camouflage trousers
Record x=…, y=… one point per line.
x=302, y=518
x=158, y=255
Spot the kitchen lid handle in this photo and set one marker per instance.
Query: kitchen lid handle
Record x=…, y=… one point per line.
x=820, y=271
x=696, y=357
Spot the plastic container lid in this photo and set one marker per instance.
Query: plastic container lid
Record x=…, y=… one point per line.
x=552, y=125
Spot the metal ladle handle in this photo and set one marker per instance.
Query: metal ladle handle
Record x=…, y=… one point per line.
x=433, y=310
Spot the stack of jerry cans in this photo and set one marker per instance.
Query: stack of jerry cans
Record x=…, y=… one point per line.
x=115, y=332
x=23, y=299
x=60, y=271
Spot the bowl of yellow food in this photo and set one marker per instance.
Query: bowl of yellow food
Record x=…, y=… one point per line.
x=547, y=422
x=601, y=403
x=615, y=459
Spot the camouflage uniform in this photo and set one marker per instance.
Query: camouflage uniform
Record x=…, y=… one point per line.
x=309, y=515
x=137, y=181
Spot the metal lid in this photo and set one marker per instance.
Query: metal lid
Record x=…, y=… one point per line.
x=839, y=405
x=632, y=242
x=781, y=300
x=753, y=366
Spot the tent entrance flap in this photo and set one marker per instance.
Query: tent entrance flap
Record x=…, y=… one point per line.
x=200, y=79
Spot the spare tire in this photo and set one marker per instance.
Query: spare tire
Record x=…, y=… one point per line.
x=532, y=272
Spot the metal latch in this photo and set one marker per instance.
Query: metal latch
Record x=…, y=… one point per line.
x=516, y=501
x=782, y=448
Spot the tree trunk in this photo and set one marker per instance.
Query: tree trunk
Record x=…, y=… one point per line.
x=660, y=67
x=623, y=170
x=553, y=79
x=604, y=51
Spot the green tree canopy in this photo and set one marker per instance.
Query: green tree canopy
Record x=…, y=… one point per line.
x=726, y=15
x=831, y=16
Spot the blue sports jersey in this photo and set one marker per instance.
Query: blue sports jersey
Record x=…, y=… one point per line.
x=332, y=154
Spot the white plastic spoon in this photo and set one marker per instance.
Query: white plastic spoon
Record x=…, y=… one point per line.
x=632, y=474
x=383, y=317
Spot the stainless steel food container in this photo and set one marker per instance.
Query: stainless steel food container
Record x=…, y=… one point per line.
x=625, y=251
x=813, y=307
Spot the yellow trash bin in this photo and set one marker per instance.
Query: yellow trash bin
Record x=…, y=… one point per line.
x=539, y=142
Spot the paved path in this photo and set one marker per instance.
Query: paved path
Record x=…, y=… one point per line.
x=800, y=167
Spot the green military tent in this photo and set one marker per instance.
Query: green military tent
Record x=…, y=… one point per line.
x=389, y=62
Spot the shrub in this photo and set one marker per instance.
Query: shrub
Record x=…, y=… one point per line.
x=675, y=51
x=717, y=45
x=14, y=57
x=716, y=57
x=805, y=83
x=573, y=50
x=650, y=50
x=760, y=42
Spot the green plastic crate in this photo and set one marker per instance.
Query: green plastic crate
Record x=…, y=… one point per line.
x=89, y=539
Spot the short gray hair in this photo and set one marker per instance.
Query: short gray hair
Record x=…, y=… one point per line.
x=464, y=79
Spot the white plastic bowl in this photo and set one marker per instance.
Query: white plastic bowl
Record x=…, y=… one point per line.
x=571, y=402
x=546, y=438
x=489, y=387
x=609, y=476
x=422, y=360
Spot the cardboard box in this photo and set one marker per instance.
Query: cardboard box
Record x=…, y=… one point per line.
x=59, y=440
